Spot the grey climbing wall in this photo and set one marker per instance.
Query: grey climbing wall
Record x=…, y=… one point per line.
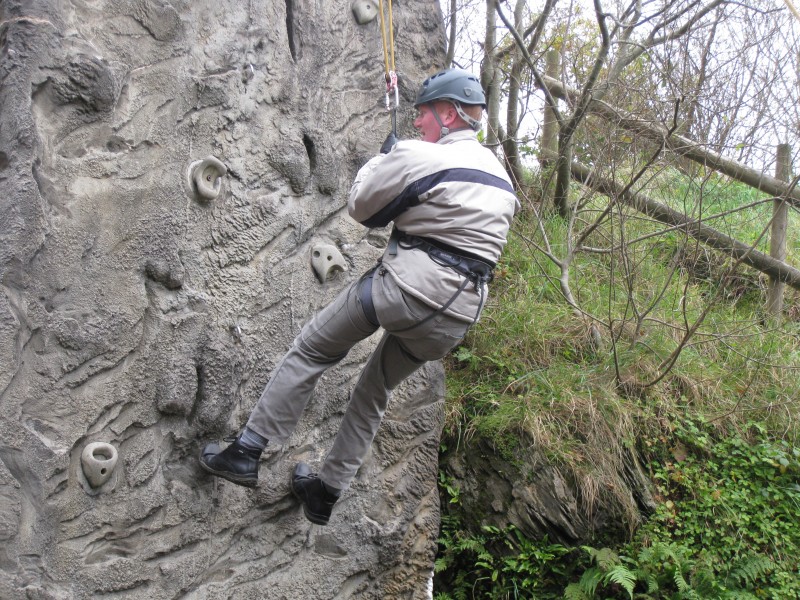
x=173, y=181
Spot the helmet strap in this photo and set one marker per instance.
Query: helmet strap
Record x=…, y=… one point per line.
x=475, y=125
x=443, y=131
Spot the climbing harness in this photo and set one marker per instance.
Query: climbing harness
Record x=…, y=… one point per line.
x=390, y=75
x=474, y=269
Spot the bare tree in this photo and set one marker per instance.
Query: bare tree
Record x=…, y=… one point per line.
x=704, y=81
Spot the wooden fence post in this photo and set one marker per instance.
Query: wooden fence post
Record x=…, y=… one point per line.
x=777, y=241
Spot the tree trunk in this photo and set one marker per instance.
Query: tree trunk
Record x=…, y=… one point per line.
x=490, y=79
x=451, y=43
x=549, y=139
x=510, y=141
x=562, y=175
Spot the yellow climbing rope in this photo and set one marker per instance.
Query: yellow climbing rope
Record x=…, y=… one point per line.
x=387, y=35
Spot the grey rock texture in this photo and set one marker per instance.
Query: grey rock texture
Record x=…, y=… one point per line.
x=521, y=487
x=136, y=312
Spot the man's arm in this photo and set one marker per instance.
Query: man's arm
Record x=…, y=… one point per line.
x=384, y=187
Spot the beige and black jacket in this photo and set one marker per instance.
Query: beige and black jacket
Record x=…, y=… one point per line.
x=454, y=192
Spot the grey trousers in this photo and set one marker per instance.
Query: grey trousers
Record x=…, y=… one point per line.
x=325, y=340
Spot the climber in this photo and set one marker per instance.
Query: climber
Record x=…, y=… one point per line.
x=452, y=204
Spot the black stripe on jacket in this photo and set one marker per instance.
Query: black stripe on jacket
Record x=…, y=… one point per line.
x=409, y=197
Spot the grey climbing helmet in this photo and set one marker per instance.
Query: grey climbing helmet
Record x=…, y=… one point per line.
x=454, y=85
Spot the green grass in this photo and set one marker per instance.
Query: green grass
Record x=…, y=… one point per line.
x=665, y=334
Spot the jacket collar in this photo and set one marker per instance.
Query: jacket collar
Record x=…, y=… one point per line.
x=458, y=136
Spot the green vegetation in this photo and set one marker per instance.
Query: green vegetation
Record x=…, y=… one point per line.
x=669, y=353
x=499, y=563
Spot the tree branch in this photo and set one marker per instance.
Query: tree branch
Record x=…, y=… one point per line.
x=684, y=146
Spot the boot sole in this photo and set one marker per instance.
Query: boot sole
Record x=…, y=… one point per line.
x=247, y=482
x=313, y=517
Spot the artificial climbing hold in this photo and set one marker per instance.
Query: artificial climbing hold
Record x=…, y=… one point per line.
x=98, y=461
x=364, y=11
x=326, y=259
x=205, y=177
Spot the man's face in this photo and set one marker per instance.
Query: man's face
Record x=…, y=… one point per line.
x=426, y=122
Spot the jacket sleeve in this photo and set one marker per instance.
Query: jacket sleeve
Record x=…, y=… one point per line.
x=384, y=188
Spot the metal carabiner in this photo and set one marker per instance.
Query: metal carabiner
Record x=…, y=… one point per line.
x=391, y=86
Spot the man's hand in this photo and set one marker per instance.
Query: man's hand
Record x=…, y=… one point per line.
x=389, y=143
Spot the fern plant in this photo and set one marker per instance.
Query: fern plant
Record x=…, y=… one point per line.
x=665, y=572
x=608, y=570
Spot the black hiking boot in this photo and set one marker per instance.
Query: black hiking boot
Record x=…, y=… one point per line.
x=235, y=463
x=317, y=498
